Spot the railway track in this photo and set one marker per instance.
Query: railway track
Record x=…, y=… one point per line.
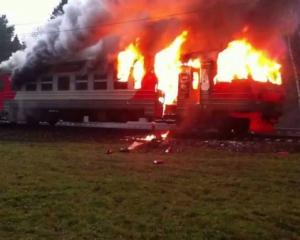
x=289, y=135
x=141, y=125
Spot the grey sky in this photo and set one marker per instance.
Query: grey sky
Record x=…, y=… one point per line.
x=27, y=14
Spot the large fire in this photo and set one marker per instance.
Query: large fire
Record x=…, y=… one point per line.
x=167, y=68
x=130, y=62
x=241, y=61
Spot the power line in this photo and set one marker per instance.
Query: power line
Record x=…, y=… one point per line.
x=127, y=22
x=117, y=23
x=24, y=24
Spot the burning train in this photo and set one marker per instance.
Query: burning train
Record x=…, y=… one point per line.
x=237, y=89
x=156, y=63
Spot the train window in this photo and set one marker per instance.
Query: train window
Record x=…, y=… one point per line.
x=47, y=84
x=102, y=77
x=2, y=84
x=117, y=84
x=81, y=77
x=47, y=87
x=81, y=85
x=100, y=81
x=31, y=87
x=46, y=79
x=120, y=85
x=63, y=83
x=81, y=82
x=100, y=85
x=16, y=87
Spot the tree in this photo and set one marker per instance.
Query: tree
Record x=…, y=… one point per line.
x=16, y=45
x=37, y=32
x=59, y=9
x=8, y=45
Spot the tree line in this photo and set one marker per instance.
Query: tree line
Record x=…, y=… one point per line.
x=10, y=42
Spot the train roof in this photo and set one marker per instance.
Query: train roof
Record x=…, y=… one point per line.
x=84, y=66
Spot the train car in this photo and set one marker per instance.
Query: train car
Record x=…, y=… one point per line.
x=70, y=91
x=238, y=106
x=6, y=94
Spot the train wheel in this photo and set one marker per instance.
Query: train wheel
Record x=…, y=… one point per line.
x=52, y=122
x=241, y=126
x=225, y=129
x=32, y=121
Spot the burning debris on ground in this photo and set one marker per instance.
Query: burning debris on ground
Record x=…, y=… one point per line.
x=149, y=141
x=134, y=143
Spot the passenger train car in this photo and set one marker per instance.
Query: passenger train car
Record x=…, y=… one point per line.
x=69, y=91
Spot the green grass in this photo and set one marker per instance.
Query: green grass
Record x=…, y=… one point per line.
x=75, y=191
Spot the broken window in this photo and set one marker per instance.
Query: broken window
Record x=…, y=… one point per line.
x=117, y=83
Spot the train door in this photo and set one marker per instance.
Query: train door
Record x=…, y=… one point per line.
x=189, y=85
x=184, y=86
x=2, y=88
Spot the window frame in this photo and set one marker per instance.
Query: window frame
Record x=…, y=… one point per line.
x=31, y=83
x=100, y=78
x=81, y=79
x=58, y=82
x=45, y=83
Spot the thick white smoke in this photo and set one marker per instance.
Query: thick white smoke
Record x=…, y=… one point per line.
x=78, y=28
x=84, y=24
x=64, y=35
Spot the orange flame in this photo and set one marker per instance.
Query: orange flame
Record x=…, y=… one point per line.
x=149, y=138
x=130, y=62
x=195, y=63
x=196, y=80
x=167, y=68
x=241, y=61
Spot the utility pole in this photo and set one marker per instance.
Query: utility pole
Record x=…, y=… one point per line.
x=294, y=67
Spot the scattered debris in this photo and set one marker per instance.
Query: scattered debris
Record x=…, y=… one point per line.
x=134, y=145
x=110, y=151
x=158, y=162
x=124, y=150
x=158, y=137
x=169, y=150
x=283, y=153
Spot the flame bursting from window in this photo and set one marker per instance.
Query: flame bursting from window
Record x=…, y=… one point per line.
x=167, y=68
x=130, y=62
x=241, y=61
x=196, y=64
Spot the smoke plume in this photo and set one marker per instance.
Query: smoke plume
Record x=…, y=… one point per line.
x=94, y=28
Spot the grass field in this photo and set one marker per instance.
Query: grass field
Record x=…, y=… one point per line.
x=75, y=191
